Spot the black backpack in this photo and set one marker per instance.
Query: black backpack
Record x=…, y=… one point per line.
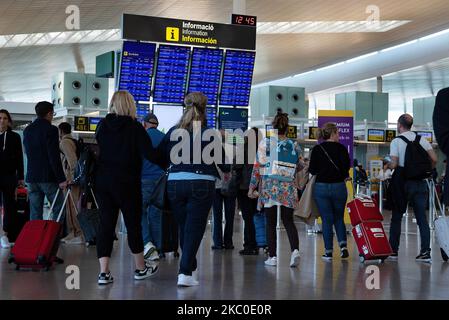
x=86, y=166
x=417, y=164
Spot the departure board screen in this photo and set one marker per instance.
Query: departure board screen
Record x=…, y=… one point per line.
x=171, y=74
x=237, y=78
x=136, y=69
x=142, y=110
x=205, y=72
x=211, y=117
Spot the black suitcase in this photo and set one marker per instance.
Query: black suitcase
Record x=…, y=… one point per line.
x=89, y=218
x=21, y=214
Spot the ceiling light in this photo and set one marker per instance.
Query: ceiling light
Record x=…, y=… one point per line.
x=434, y=35
x=54, y=38
x=331, y=66
x=399, y=46
x=328, y=26
x=362, y=57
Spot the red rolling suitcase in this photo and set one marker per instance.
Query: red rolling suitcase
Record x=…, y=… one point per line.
x=38, y=242
x=362, y=209
x=371, y=241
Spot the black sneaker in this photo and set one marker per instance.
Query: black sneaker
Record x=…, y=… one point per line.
x=327, y=256
x=149, y=271
x=424, y=257
x=249, y=252
x=105, y=278
x=344, y=253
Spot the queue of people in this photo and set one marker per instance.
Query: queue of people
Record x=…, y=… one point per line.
x=135, y=158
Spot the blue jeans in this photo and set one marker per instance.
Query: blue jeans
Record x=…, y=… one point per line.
x=331, y=199
x=417, y=194
x=229, y=205
x=151, y=216
x=37, y=193
x=190, y=201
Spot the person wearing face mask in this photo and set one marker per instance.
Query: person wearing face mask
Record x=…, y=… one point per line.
x=11, y=171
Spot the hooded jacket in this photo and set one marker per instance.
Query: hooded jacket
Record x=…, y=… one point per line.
x=11, y=156
x=123, y=142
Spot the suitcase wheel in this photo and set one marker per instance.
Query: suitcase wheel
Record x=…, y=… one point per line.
x=444, y=255
x=47, y=268
x=41, y=260
x=176, y=254
x=11, y=258
x=17, y=267
x=362, y=259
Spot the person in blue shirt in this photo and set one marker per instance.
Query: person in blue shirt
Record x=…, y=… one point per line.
x=151, y=216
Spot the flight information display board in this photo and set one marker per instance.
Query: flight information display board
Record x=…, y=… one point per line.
x=205, y=72
x=136, y=69
x=211, y=116
x=237, y=78
x=142, y=110
x=170, y=82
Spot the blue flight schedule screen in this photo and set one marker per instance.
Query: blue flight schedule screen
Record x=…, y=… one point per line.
x=136, y=69
x=205, y=72
x=142, y=110
x=171, y=74
x=237, y=78
x=211, y=117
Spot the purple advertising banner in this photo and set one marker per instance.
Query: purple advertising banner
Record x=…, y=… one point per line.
x=345, y=122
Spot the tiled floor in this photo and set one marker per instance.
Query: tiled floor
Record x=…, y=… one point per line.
x=227, y=275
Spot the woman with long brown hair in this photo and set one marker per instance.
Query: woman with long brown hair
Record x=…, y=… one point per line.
x=275, y=192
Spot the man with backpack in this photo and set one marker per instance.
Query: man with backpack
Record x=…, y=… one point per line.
x=70, y=151
x=413, y=159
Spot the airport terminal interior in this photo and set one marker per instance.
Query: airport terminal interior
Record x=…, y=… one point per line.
x=358, y=64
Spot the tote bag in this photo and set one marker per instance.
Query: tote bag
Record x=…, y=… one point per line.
x=307, y=209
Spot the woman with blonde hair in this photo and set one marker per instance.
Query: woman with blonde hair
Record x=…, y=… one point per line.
x=330, y=163
x=191, y=182
x=123, y=143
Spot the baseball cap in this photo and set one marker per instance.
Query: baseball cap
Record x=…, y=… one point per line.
x=151, y=118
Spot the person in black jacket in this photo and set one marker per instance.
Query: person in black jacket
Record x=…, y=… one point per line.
x=11, y=171
x=191, y=181
x=330, y=163
x=44, y=168
x=441, y=129
x=122, y=142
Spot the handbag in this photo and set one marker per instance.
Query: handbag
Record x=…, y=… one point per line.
x=230, y=185
x=158, y=198
x=307, y=209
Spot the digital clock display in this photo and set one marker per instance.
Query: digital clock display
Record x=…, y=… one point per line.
x=244, y=20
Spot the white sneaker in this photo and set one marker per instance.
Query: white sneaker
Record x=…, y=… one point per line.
x=294, y=259
x=148, y=250
x=67, y=238
x=273, y=261
x=5, y=242
x=76, y=240
x=186, y=281
x=154, y=255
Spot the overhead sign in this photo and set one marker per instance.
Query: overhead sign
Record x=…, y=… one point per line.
x=176, y=31
x=81, y=124
x=426, y=134
x=313, y=133
x=86, y=124
x=390, y=135
x=292, y=132
x=376, y=135
x=344, y=120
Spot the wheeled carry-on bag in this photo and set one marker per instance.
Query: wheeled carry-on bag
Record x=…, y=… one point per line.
x=38, y=242
x=441, y=225
x=89, y=220
x=368, y=231
x=371, y=241
x=363, y=208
